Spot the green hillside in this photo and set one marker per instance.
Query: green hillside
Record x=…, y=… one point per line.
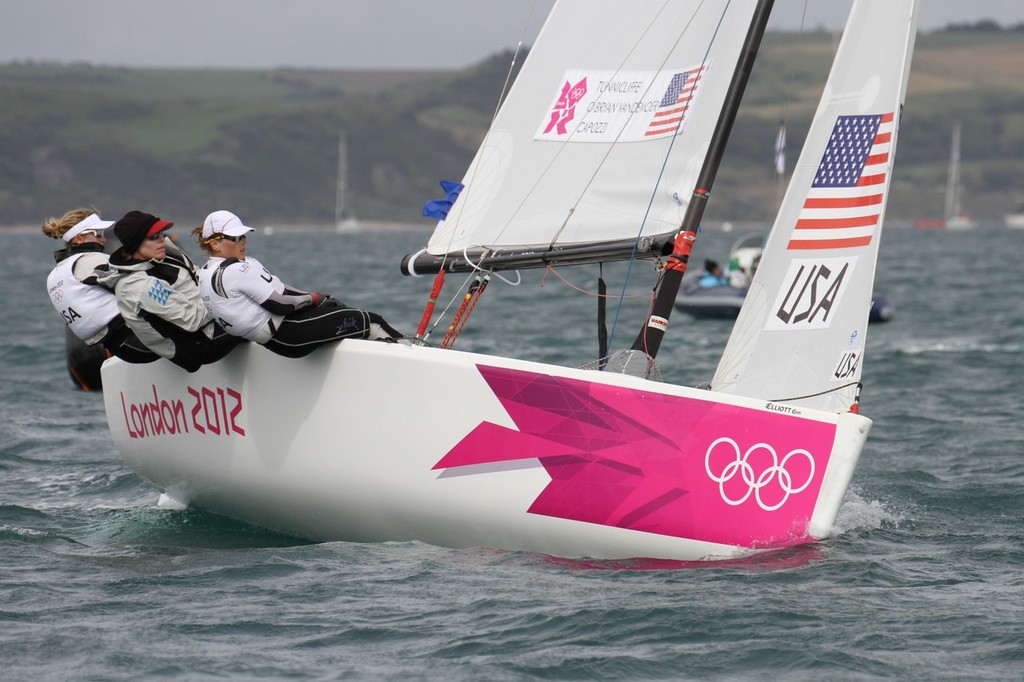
x=180, y=143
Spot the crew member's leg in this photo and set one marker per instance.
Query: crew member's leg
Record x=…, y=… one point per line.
x=221, y=344
x=302, y=332
x=123, y=343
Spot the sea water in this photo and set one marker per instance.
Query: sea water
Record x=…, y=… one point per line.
x=921, y=579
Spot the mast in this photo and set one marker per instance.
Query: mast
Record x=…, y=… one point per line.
x=953, y=209
x=341, y=192
x=649, y=339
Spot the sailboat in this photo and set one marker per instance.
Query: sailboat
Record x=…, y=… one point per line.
x=344, y=219
x=955, y=218
x=605, y=148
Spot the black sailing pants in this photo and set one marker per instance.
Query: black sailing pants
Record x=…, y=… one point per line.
x=302, y=332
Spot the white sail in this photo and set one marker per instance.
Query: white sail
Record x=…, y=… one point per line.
x=551, y=169
x=953, y=208
x=955, y=218
x=344, y=219
x=801, y=333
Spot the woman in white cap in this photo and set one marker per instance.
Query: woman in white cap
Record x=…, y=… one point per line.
x=88, y=309
x=248, y=301
x=158, y=294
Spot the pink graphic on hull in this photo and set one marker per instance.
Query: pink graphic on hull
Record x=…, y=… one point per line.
x=657, y=463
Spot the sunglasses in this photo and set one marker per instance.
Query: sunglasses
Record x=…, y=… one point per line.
x=230, y=238
x=156, y=237
x=91, y=233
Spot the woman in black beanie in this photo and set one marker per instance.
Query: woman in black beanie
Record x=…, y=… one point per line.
x=158, y=294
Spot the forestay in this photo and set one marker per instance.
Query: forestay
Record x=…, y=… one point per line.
x=801, y=333
x=591, y=124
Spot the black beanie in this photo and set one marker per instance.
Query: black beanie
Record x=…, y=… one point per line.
x=133, y=228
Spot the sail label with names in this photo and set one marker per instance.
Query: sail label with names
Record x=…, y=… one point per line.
x=617, y=106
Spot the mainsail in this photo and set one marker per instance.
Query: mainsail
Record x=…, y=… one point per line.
x=633, y=114
x=801, y=333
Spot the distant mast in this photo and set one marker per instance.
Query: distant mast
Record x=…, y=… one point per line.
x=953, y=208
x=343, y=219
x=956, y=218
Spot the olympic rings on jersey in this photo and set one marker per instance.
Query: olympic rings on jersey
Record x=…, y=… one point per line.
x=740, y=465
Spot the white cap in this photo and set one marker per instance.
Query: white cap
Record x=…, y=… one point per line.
x=224, y=222
x=93, y=222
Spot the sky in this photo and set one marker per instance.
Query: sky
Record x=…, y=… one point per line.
x=341, y=34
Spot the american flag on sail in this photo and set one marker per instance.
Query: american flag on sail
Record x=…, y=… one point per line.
x=675, y=102
x=844, y=204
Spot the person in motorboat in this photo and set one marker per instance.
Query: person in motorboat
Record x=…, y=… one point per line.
x=249, y=301
x=88, y=308
x=158, y=294
x=713, y=276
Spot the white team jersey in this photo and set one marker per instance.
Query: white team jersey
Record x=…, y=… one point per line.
x=86, y=308
x=235, y=303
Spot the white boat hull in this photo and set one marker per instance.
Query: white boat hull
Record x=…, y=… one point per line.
x=960, y=223
x=360, y=442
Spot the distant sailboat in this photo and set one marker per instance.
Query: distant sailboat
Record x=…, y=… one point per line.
x=344, y=220
x=955, y=216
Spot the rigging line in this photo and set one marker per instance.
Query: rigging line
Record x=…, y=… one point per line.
x=814, y=395
x=501, y=98
x=780, y=140
x=476, y=290
x=448, y=339
x=792, y=71
x=553, y=271
x=451, y=302
x=478, y=267
x=679, y=126
x=476, y=270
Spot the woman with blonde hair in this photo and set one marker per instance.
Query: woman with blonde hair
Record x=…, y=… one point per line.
x=88, y=309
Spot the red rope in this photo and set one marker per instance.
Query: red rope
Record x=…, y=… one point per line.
x=457, y=323
x=475, y=292
x=428, y=310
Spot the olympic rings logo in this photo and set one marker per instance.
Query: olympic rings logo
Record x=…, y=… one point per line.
x=740, y=465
